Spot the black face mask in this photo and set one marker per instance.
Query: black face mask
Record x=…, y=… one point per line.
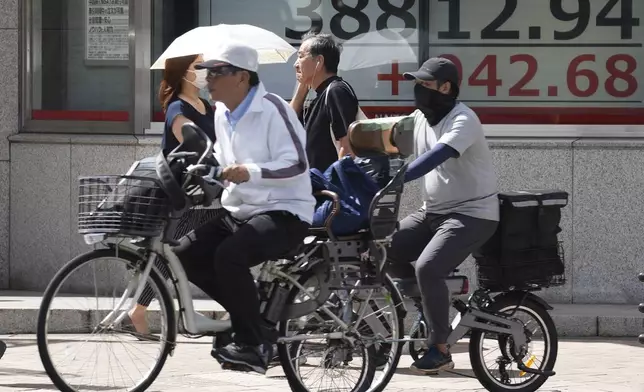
x=434, y=104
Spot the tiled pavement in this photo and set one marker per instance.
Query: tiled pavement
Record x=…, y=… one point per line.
x=588, y=365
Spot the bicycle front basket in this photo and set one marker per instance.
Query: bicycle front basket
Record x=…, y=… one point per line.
x=121, y=204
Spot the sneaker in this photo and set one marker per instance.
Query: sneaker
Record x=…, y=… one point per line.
x=244, y=358
x=432, y=362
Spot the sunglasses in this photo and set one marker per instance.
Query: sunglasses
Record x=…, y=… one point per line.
x=221, y=71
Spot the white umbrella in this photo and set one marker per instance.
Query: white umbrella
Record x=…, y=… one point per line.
x=270, y=47
x=375, y=48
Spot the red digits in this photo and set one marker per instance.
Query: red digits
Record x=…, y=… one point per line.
x=625, y=75
x=492, y=81
x=573, y=73
x=518, y=89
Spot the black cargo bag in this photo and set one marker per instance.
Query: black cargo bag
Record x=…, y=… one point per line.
x=138, y=195
x=525, y=248
x=135, y=204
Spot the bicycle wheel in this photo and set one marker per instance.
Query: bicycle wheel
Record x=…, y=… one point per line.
x=74, y=381
x=508, y=377
x=387, y=353
x=338, y=356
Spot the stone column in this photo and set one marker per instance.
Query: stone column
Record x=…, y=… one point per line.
x=9, y=114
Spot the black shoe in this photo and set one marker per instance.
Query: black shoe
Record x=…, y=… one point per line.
x=432, y=362
x=222, y=339
x=249, y=358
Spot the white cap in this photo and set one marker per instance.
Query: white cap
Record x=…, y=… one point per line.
x=233, y=53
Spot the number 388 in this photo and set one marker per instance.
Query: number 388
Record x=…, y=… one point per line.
x=364, y=22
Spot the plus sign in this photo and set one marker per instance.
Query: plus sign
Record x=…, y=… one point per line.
x=394, y=77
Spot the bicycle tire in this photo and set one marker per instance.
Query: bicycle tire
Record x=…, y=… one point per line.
x=284, y=350
x=398, y=303
x=478, y=367
x=52, y=288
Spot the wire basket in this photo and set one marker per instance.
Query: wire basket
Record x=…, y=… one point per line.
x=542, y=267
x=122, y=205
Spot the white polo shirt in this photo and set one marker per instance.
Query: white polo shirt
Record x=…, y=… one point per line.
x=468, y=184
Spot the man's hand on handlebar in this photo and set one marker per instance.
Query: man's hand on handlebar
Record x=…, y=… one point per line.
x=236, y=174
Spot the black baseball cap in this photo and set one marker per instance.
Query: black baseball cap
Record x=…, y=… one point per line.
x=436, y=68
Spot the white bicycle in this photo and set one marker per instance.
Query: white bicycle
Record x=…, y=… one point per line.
x=129, y=219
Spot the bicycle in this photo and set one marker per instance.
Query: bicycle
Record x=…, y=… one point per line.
x=131, y=217
x=332, y=273
x=484, y=313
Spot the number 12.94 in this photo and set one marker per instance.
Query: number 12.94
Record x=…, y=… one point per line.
x=581, y=18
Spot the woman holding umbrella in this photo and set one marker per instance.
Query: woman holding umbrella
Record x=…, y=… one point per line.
x=181, y=103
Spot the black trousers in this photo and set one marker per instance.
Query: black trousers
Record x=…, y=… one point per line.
x=191, y=220
x=218, y=256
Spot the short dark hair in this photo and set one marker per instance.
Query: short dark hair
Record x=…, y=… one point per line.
x=322, y=44
x=253, y=79
x=453, y=89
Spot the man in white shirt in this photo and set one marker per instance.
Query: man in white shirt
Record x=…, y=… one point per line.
x=461, y=208
x=268, y=198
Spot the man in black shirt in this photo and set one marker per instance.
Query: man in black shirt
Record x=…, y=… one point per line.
x=335, y=107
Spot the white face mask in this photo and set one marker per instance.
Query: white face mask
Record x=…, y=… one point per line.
x=200, y=81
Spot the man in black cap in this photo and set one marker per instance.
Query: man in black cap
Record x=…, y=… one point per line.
x=460, y=210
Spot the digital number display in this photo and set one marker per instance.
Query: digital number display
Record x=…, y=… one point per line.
x=577, y=11
x=381, y=89
x=513, y=54
x=363, y=18
x=570, y=53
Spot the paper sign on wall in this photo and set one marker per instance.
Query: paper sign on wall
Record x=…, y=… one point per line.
x=107, y=29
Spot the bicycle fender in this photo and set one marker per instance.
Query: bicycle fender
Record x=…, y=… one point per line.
x=294, y=311
x=521, y=295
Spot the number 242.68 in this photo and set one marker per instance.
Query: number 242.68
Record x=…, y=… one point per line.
x=626, y=22
x=574, y=72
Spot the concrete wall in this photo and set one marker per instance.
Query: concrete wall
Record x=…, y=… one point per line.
x=9, y=98
x=601, y=225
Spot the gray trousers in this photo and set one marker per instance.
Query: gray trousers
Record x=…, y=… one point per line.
x=438, y=244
